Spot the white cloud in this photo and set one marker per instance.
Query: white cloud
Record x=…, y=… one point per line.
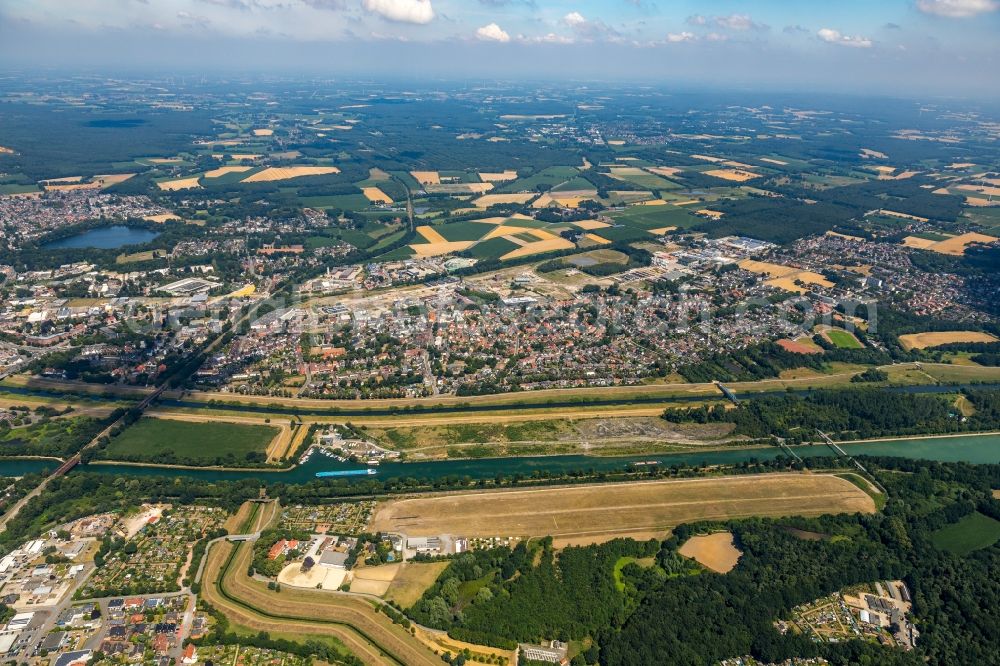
x=957, y=8
x=696, y=19
x=738, y=22
x=832, y=36
x=574, y=19
x=716, y=37
x=492, y=33
x=678, y=37
x=403, y=11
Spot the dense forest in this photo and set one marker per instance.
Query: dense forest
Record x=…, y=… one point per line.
x=660, y=612
x=856, y=413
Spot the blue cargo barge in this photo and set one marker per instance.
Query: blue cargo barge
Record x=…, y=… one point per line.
x=347, y=472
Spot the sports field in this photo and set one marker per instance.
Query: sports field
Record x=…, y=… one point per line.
x=619, y=508
x=166, y=440
x=843, y=339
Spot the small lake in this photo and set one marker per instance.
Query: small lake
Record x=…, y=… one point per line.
x=104, y=238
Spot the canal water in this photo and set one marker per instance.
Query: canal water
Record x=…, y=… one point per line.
x=973, y=449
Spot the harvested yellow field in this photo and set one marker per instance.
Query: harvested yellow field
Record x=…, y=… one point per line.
x=736, y=175
x=161, y=218
x=662, y=230
x=785, y=277
x=589, y=225
x=771, y=160
x=69, y=187
x=979, y=202
x=426, y=177
x=488, y=200
x=708, y=158
x=903, y=216
x=961, y=165
x=179, y=184
x=565, y=200
x=713, y=551
x=222, y=171
x=918, y=243
x=539, y=248
x=437, y=249
x=263, y=132
x=623, y=507
x=286, y=173
x=651, y=202
x=766, y=268
x=431, y=235
x=376, y=195
x=954, y=246
x=165, y=160
x=687, y=202
x=883, y=168
x=664, y=171
x=714, y=214
x=109, y=179
x=867, y=153
x=594, y=238
x=411, y=581
x=624, y=172
x=494, y=177
x=374, y=580
x=239, y=157
x=992, y=191
x=938, y=338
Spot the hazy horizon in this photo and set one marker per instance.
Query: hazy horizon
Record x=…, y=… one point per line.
x=920, y=48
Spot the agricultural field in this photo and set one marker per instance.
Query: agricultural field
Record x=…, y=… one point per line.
x=520, y=237
x=620, y=509
x=192, y=443
x=412, y=579
x=973, y=532
x=938, y=338
x=713, y=551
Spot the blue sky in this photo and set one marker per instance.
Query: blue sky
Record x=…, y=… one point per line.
x=936, y=46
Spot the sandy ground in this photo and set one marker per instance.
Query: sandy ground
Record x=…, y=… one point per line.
x=325, y=578
x=925, y=340
x=286, y=173
x=578, y=511
x=715, y=551
x=133, y=524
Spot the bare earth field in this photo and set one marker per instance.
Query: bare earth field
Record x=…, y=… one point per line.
x=621, y=508
x=934, y=339
x=715, y=551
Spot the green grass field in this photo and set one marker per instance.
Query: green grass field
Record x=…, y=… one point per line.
x=340, y=201
x=180, y=442
x=493, y=248
x=843, y=339
x=548, y=177
x=655, y=217
x=463, y=231
x=971, y=533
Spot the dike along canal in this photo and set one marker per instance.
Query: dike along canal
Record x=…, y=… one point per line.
x=968, y=448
